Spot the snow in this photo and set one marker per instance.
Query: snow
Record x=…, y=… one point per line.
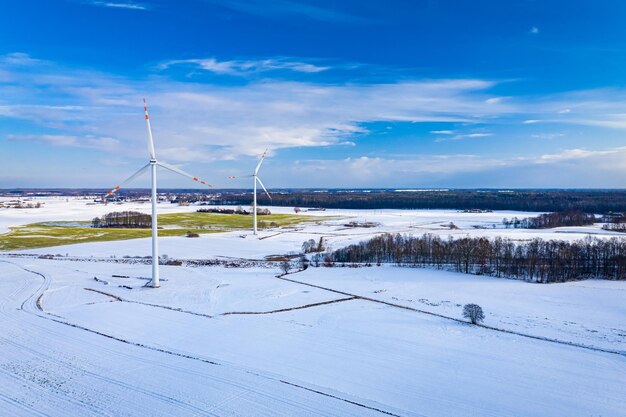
x=72, y=208
x=326, y=341
x=587, y=312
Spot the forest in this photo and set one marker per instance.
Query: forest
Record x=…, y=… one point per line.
x=588, y=201
x=551, y=220
x=123, y=219
x=615, y=223
x=538, y=260
x=539, y=200
x=239, y=210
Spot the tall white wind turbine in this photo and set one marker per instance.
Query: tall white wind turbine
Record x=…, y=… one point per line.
x=152, y=164
x=255, y=179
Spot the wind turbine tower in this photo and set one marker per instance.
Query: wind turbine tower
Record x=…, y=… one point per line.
x=255, y=180
x=152, y=164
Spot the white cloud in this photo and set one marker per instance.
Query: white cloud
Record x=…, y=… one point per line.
x=203, y=122
x=364, y=170
x=114, y=5
x=284, y=8
x=496, y=100
x=547, y=136
x=100, y=143
x=413, y=169
x=570, y=154
x=473, y=135
x=531, y=121
x=242, y=67
x=19, y=59
x=465, y=136
x=534, y=30
x=603, y=107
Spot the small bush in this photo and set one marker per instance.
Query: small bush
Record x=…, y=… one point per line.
x=304, y=263
x=192, y=234
x=285, y=266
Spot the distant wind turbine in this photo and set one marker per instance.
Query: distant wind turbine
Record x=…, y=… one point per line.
x=255, y=179
x=153, y=166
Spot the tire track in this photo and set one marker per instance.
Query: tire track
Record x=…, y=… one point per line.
x=282, y=310
x=342, y=399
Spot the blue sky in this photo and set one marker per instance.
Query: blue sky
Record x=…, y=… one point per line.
x=433, y=93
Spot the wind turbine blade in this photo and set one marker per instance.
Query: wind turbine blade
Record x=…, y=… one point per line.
x=150, y=141
x=181, y=172
x=256, y=170
x=129, y=179
x=264, y=189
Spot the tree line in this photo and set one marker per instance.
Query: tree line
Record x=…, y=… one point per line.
x=615, y=223
x=551, y=220
x=123, y=219
x=537, y=260
x=260, y=211
x=589, y=201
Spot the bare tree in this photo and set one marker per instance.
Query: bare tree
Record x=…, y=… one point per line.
x=304, y=263
x=285, y=266
x=321, y=247
x=536, y=260
x=474, y=313
x=309, y=246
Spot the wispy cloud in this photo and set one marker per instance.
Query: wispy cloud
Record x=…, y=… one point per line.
x=19, y=59
x=412, y=169
x=203, y=122
x=534, y=30
x=284, y=8
x=603, y=107
x=195, y=121
x=472, y=136
x=574, y=154
x=116, y=5
x=547, y=136
x=243, y=67
x=495, y=100
x=462, y=136
x=93, y=142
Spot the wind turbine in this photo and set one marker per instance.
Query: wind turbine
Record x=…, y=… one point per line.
x=152, y=164
x=255, y=179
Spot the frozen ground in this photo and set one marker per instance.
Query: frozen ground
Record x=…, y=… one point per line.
x=326, y=341
x=402, y=221
x=69, y=208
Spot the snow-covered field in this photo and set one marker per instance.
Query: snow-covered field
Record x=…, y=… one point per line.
x=326, y=341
